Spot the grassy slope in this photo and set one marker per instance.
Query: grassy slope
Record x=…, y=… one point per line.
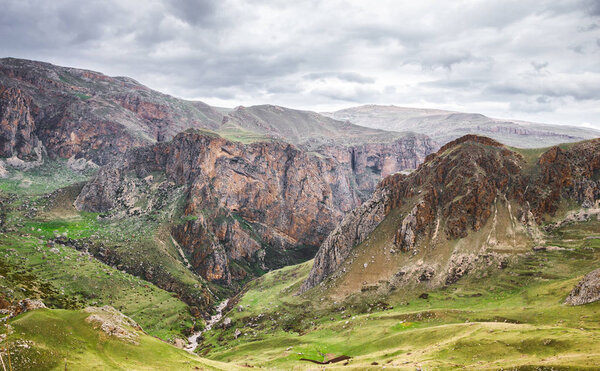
x=47, y=339
x=72, y=279
x=50, y=176
x=503, y=318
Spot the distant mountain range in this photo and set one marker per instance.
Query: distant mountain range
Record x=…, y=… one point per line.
x=68, y=112
x=444, y=126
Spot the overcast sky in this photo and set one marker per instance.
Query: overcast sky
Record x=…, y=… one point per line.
x=534, y=60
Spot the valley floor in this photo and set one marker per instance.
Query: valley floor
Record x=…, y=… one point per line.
x=511, y=318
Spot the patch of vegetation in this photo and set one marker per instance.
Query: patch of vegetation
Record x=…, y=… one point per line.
x=47, y=243
x=71, y=279
x=82, y=96
x=237, y=134
x=46, y=178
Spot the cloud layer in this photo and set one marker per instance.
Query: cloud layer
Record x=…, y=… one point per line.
x=530, y=59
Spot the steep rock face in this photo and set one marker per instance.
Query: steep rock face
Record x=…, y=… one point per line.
x=566, y=173
x=370, y=162
x=81, y=113
x=351, y=231
x=17, y=127
x=472, y=183
x=587, y=290
x=461, y=183
x=371, y=154
x=266, y=204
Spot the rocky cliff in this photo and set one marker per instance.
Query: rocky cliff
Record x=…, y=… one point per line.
x=473, y=199
x=74, y=112
x=17, y=126
x=371, y=162
x=371, y=154
x=246, y=208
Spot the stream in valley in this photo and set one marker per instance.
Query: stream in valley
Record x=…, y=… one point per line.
x=209, y=324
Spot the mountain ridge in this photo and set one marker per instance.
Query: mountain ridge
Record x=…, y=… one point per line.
x=453, y=196
x=63, y=112
x=445, y=126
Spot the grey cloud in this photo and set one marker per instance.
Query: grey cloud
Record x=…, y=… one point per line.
x=590, y=27
x=359, y=95
x=344, y=76
x=534, y=105
x=576, y=90
x=577, y=49
x=593, y=8
x=195, y=12
x=455, y=84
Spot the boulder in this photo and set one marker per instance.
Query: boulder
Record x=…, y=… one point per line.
x=226, y=322
x=30, y=304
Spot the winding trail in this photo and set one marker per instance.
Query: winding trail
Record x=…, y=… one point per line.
x=209, y=324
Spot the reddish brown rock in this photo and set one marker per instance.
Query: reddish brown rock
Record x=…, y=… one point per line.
x=81, y=113
x=17, y=126
x=459, y=187
x=268, y=203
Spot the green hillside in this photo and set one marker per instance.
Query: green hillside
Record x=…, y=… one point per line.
x=56, y=339
x=509, y=318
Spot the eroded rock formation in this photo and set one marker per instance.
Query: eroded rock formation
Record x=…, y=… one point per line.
x=460, y=188
x=74, y=112
x=267, y=204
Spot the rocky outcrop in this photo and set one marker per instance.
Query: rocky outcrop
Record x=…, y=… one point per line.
x=266, y=204
x=468, y=181
x=353, y=229
x=113, y=323
x=461, y=183
x=19, y=307
x=17, y=126
x=412, y=224
x=587, y=290
x=566, y=173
